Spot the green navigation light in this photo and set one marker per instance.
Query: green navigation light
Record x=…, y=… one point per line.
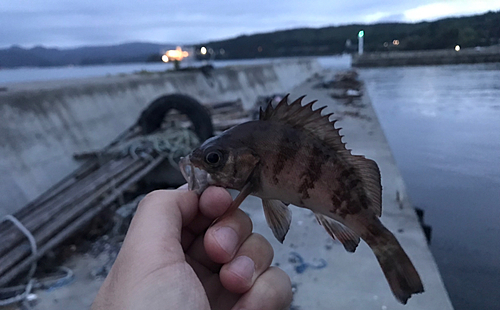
x=361, y=33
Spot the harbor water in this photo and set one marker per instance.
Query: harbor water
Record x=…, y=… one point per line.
x=443, y=126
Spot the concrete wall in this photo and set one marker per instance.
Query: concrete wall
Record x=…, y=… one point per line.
x=435, y=57
x=42, y=124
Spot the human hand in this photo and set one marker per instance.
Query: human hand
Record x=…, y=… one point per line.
x=172, y=258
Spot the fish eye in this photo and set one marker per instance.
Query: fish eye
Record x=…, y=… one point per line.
x=213, y=157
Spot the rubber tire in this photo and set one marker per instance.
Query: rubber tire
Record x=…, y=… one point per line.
x=152, y=117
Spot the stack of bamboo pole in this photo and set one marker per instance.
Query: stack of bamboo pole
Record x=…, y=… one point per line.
x=72, y=203
x=66, y=208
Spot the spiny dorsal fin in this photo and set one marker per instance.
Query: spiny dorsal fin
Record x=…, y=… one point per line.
x=306, y=118
x=369, y=173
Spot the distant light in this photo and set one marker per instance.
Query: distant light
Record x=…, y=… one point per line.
x=457, y=47
x=222, y=51
x=361, y=34
x=203, y=50
x=259, y=49
x=177, y=54
x=164, y=58
x=395, y=42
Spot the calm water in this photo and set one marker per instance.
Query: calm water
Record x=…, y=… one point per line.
x=20, y=75
x=443, y=125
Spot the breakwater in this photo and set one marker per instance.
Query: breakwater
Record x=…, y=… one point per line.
x=434, y=57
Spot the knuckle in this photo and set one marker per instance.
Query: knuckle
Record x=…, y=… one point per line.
x=280, y=289
x=272, y=291
x=245, y=219
x=263, y=244
x=152, y=197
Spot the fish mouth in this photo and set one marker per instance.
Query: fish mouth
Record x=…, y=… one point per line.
x=196, y=178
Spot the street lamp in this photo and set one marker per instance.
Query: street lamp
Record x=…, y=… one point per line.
x=175, y=55
x=361, y=35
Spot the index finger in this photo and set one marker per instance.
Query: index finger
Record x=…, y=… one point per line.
x=214, y=202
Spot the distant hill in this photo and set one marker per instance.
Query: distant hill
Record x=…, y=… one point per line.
x=16, y=56
x=468, y=31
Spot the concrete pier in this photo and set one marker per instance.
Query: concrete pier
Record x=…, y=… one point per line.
x=43, y=124
x=353, y=280
x=422, y=58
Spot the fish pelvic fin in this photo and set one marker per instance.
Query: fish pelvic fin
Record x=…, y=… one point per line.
x=245, y=191
x=336, y=230
x=278, y=217
x=398, y=269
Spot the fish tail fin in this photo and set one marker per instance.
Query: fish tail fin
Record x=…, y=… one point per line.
x=398, y=269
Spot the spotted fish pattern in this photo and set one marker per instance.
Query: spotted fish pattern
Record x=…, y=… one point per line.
x=295, y=155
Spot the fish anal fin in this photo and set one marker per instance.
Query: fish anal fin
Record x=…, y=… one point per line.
x=303, y=116
x=278, y=217
x=369, y=174
x=336, y=230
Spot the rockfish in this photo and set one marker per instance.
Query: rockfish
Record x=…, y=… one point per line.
x=295, y=155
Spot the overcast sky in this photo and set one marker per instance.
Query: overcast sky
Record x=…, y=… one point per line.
x=70, y=23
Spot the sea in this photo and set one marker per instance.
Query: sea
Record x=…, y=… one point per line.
x=21, y=75
x=443, y=126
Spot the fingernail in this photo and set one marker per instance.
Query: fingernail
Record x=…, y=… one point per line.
x=243, y=266
x=227, y=239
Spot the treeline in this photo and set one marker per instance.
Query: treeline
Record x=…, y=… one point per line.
x=39, y=56
x=470, y=31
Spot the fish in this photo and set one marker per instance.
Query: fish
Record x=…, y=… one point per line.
x=293, y=154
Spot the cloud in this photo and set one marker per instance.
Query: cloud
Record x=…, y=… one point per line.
x=442, y=9
x=68, y=23
x=393, y=18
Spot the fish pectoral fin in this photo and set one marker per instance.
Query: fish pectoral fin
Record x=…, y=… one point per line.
x=336, y=230
x=278, y=217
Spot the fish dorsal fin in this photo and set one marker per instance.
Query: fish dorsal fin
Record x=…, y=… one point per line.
x=304, y=117
x=369, y=173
